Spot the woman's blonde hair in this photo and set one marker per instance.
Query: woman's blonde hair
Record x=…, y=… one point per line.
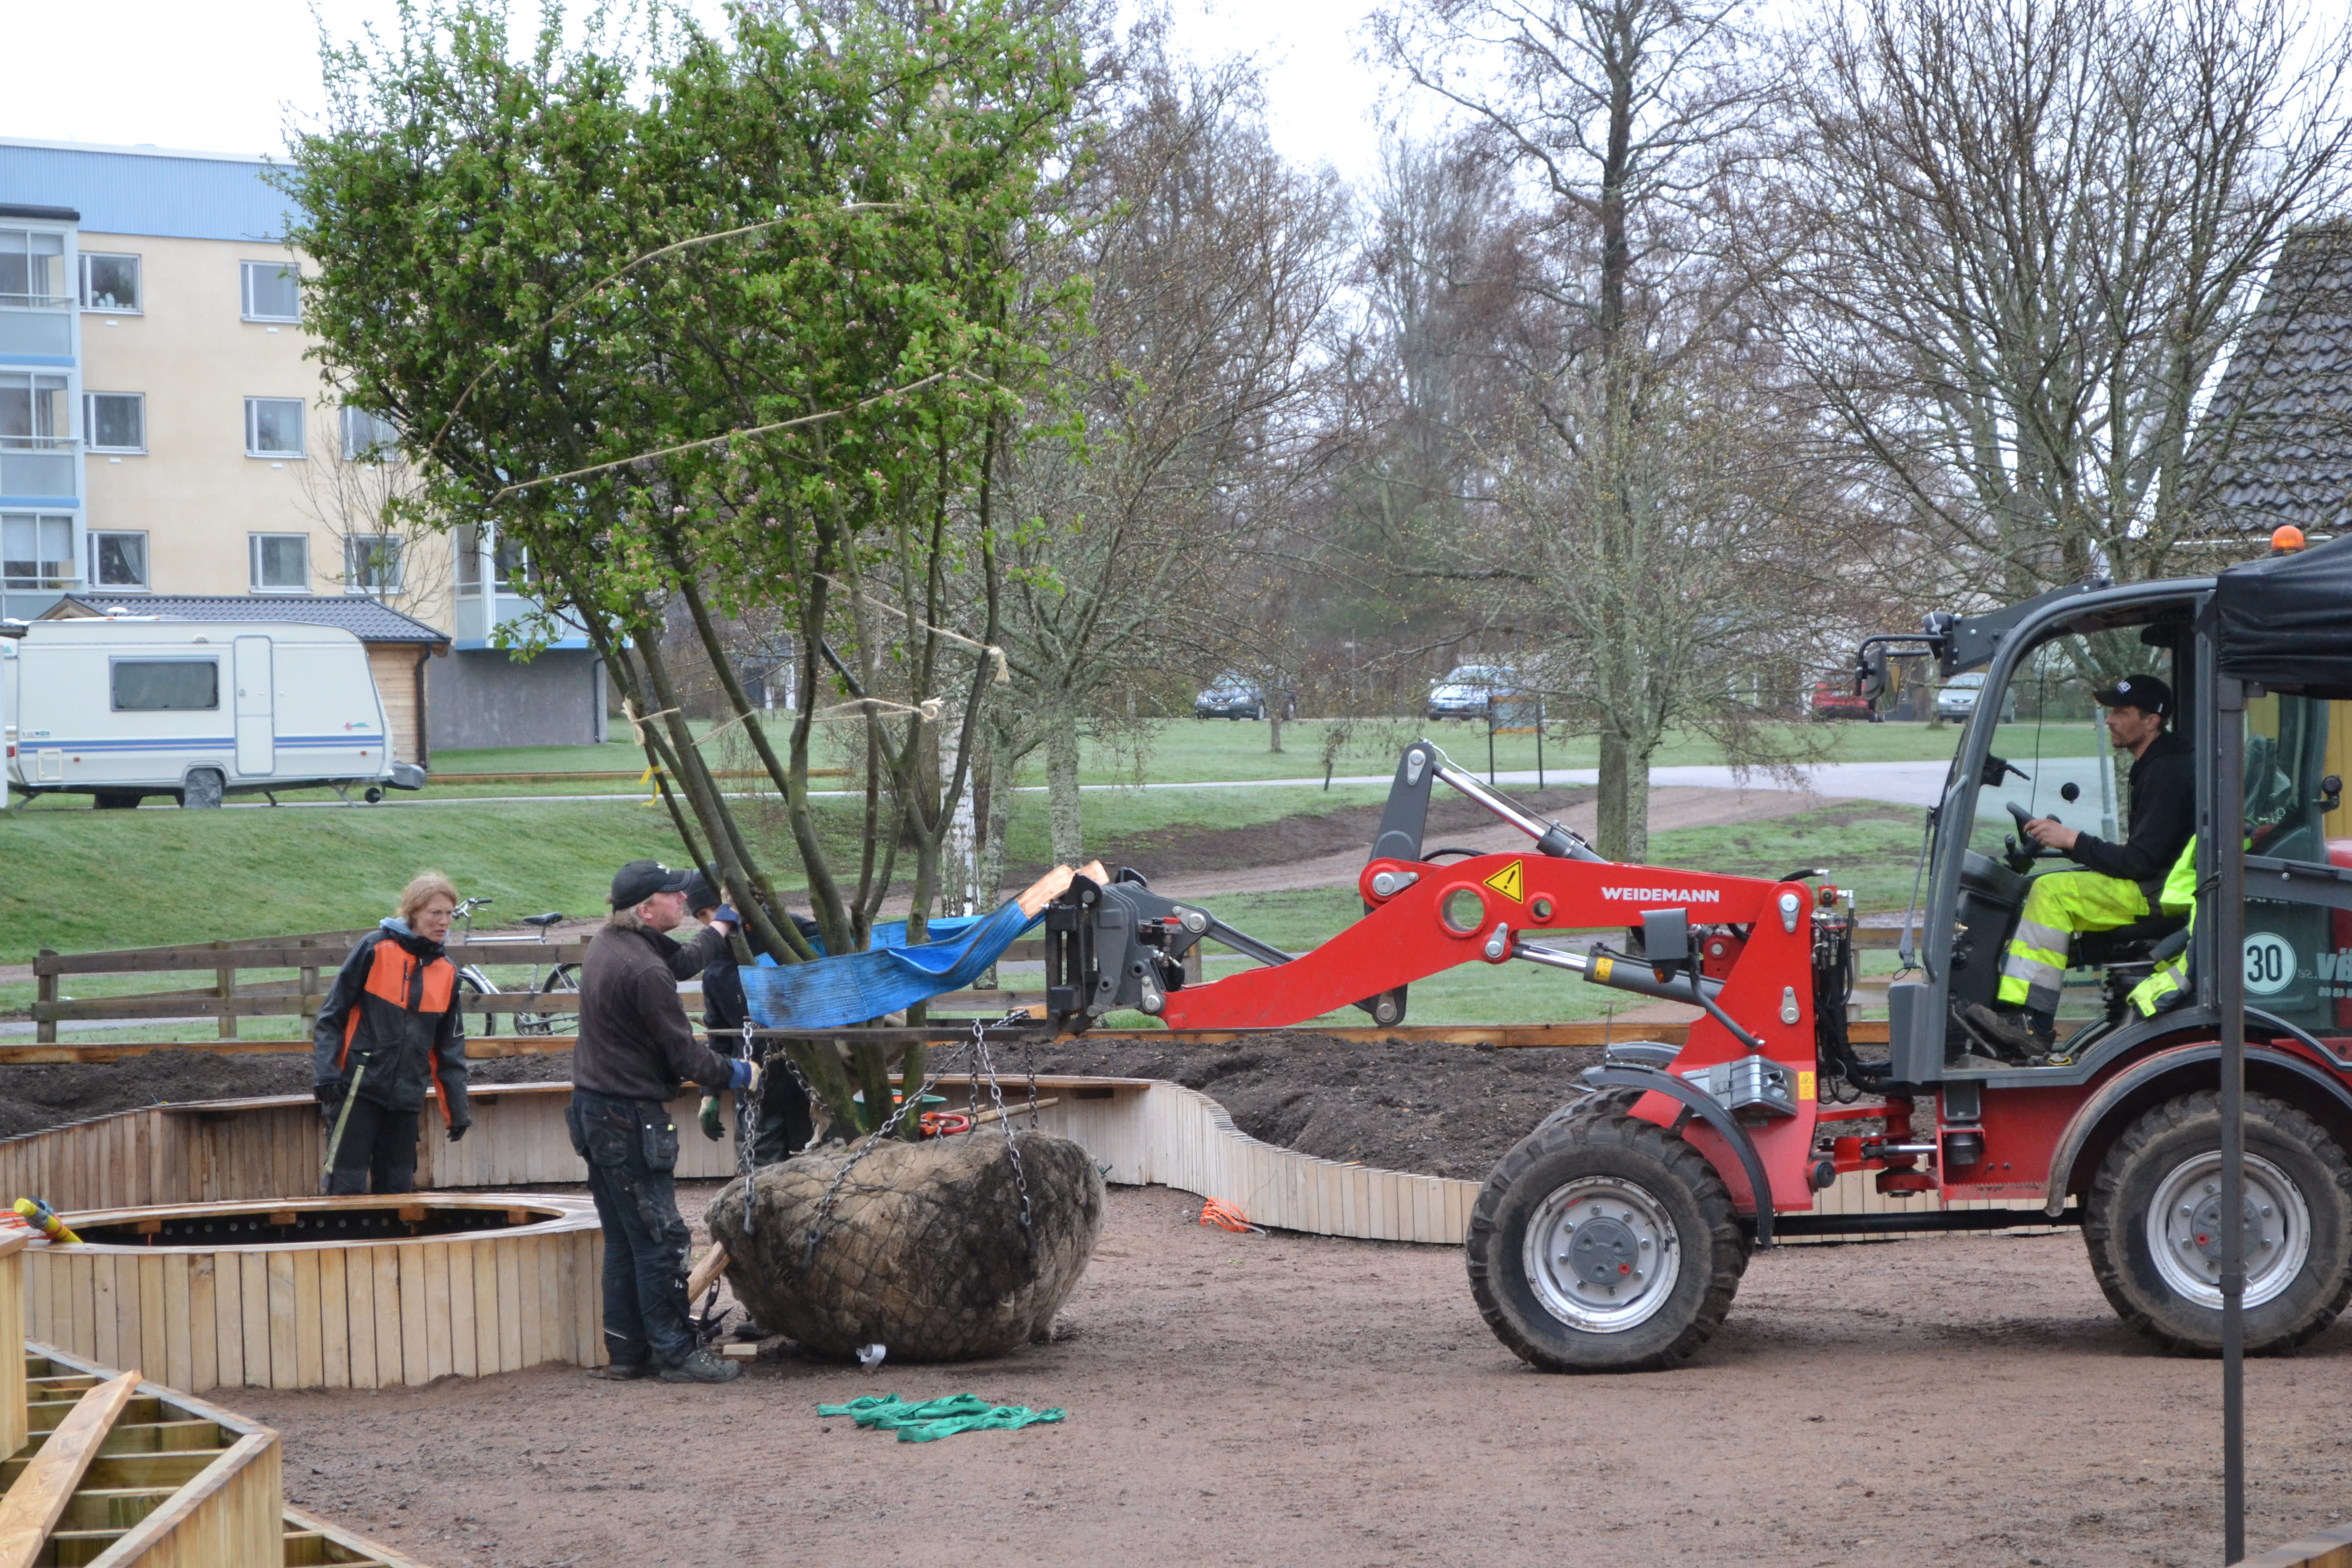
x=421, y=889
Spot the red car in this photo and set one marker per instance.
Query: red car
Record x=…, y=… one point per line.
x=1835, y=700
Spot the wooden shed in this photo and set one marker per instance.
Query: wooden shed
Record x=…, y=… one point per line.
x=398, y=645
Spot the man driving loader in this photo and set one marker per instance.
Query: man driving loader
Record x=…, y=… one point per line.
x=2109, y=886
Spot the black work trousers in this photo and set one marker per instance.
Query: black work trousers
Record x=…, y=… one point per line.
x=631, y=1147
x=378, y=1152
x=785, y=1124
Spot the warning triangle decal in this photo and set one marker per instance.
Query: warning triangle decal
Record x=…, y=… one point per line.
x=1511, y=881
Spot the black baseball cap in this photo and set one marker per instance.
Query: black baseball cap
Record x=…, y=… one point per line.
x=638, y=880
x=699, y=893
x=2145, y=693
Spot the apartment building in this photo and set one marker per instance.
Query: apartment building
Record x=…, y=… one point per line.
x=162, y=436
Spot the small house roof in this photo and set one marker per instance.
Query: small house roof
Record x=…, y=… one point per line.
x=2284, y=406
x=368, y=619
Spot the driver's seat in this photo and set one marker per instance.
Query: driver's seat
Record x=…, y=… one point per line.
x=2134, y=943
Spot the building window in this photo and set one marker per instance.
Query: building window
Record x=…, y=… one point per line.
x=114, y=421
x=273, y=291
x=165, y=685
x=371, y=564
x=369, y=437
x=273, y=427
x=468, y=543
x=33, y=411
x=511, y=563
x=33, y=268
x=118, y=560
x=36, y=551
x=110, y=283
x=282, y=562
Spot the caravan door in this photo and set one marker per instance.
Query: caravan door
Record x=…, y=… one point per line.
x=256, y=719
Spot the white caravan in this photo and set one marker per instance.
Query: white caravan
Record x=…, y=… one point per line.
x=121, y=707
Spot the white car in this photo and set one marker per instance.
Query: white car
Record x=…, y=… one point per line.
x=1957, y=699
x=1469, y=692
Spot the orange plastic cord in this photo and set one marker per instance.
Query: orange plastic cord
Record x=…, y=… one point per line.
x=1226, y=1216
x=941, y=1123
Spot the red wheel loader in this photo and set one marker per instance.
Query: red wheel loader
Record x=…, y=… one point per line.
x=1614, y=1235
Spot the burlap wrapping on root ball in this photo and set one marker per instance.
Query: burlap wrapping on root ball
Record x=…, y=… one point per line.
x=922, y=1251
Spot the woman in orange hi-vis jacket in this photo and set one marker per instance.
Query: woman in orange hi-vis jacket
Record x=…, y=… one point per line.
x=389, y=1030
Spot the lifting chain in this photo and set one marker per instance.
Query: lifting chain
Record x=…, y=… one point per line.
x=747, y=1132
x=911, y=1102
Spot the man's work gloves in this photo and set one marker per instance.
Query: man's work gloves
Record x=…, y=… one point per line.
x=744, y=1077
x=710, y=1129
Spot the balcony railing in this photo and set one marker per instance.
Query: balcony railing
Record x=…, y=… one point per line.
x=40, y=468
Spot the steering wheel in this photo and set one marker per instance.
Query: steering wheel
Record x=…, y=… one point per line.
x=2027, y=849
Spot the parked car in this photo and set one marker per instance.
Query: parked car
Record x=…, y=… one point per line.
x=1837, y=699
x=133, y=706
x=1231, y=697
x=1471, y=691
x=1957, y=699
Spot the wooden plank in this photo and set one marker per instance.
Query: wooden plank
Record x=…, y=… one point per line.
x=37, y=1499
x=438, y=1351
x=334, y=1321
x=525, y=1251
x=107, y=1325
x=462, y=1346
x=554, y=1344
x=383, y=1278
x=254, y=1268
x=180, y=1322
x=588, y=1300
x=228, y=1319
x=153, y=1335
x=415, y=1356
x=510, y=1311
x=310, y=1346
x=283, y=1317
x=486, y=1334
x=358, y=1308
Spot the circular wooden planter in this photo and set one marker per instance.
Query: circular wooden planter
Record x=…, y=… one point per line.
x=317, y=1292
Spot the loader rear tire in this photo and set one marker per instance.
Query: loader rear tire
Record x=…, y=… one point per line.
x=1604, y=1243
x=2148, y=1226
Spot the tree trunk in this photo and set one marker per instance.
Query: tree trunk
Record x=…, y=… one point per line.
x=1637, y=803
x=1066, y=814
x=1612, y=826
x=1273, y=702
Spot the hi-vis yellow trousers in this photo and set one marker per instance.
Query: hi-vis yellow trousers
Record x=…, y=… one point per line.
x=2057, y=906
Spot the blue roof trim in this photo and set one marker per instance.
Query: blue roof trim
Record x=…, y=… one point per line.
x=55, y=503
x=36, y=358
x=148, y=193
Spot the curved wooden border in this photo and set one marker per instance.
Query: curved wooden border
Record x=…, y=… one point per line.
x=371, y=1314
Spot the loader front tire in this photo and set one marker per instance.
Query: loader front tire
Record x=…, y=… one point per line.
x=1603, y=1243
x=2151, y=1225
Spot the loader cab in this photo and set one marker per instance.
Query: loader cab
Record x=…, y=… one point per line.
x=2053, y=759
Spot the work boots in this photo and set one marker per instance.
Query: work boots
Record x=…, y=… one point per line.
x=701, y=1366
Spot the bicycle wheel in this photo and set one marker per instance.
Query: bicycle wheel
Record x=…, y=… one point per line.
x=562, y=978
x=472, y=987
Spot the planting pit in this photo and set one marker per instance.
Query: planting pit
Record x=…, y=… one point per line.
x=349, y=1292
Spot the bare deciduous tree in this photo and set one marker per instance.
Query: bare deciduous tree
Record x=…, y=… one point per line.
x=2034, y=232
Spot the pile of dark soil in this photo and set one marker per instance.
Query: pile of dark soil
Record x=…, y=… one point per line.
x=32, y=1097
x=1444, y=1111
x=1447, y=1111
x=1188, y=848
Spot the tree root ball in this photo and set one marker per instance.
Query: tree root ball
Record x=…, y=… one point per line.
x=922, y=1251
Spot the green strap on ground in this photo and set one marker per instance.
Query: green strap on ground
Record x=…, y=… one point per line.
x=937, y=1418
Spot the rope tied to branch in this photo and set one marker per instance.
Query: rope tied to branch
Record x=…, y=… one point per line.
x=994, y=654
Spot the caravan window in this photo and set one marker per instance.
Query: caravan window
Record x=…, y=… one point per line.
x=166, y=685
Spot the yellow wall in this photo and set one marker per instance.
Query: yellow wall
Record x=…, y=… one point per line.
x=194, y=492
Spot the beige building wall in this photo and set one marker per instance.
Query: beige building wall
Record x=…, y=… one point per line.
x=194, y=492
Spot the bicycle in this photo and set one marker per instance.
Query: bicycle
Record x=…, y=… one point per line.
x=561, y=978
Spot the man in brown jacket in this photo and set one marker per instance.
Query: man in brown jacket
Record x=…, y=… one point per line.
x=634, y=1048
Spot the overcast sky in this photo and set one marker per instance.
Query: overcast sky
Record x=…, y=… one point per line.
x=178, y=74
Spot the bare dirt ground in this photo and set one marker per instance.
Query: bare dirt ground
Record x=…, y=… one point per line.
x=1299, y=1400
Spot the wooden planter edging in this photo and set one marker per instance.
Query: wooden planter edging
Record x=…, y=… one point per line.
x=328, y=1314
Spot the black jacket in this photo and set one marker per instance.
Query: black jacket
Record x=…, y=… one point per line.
x=2163, y=815
x=634, y=1041
x=394, y=1007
